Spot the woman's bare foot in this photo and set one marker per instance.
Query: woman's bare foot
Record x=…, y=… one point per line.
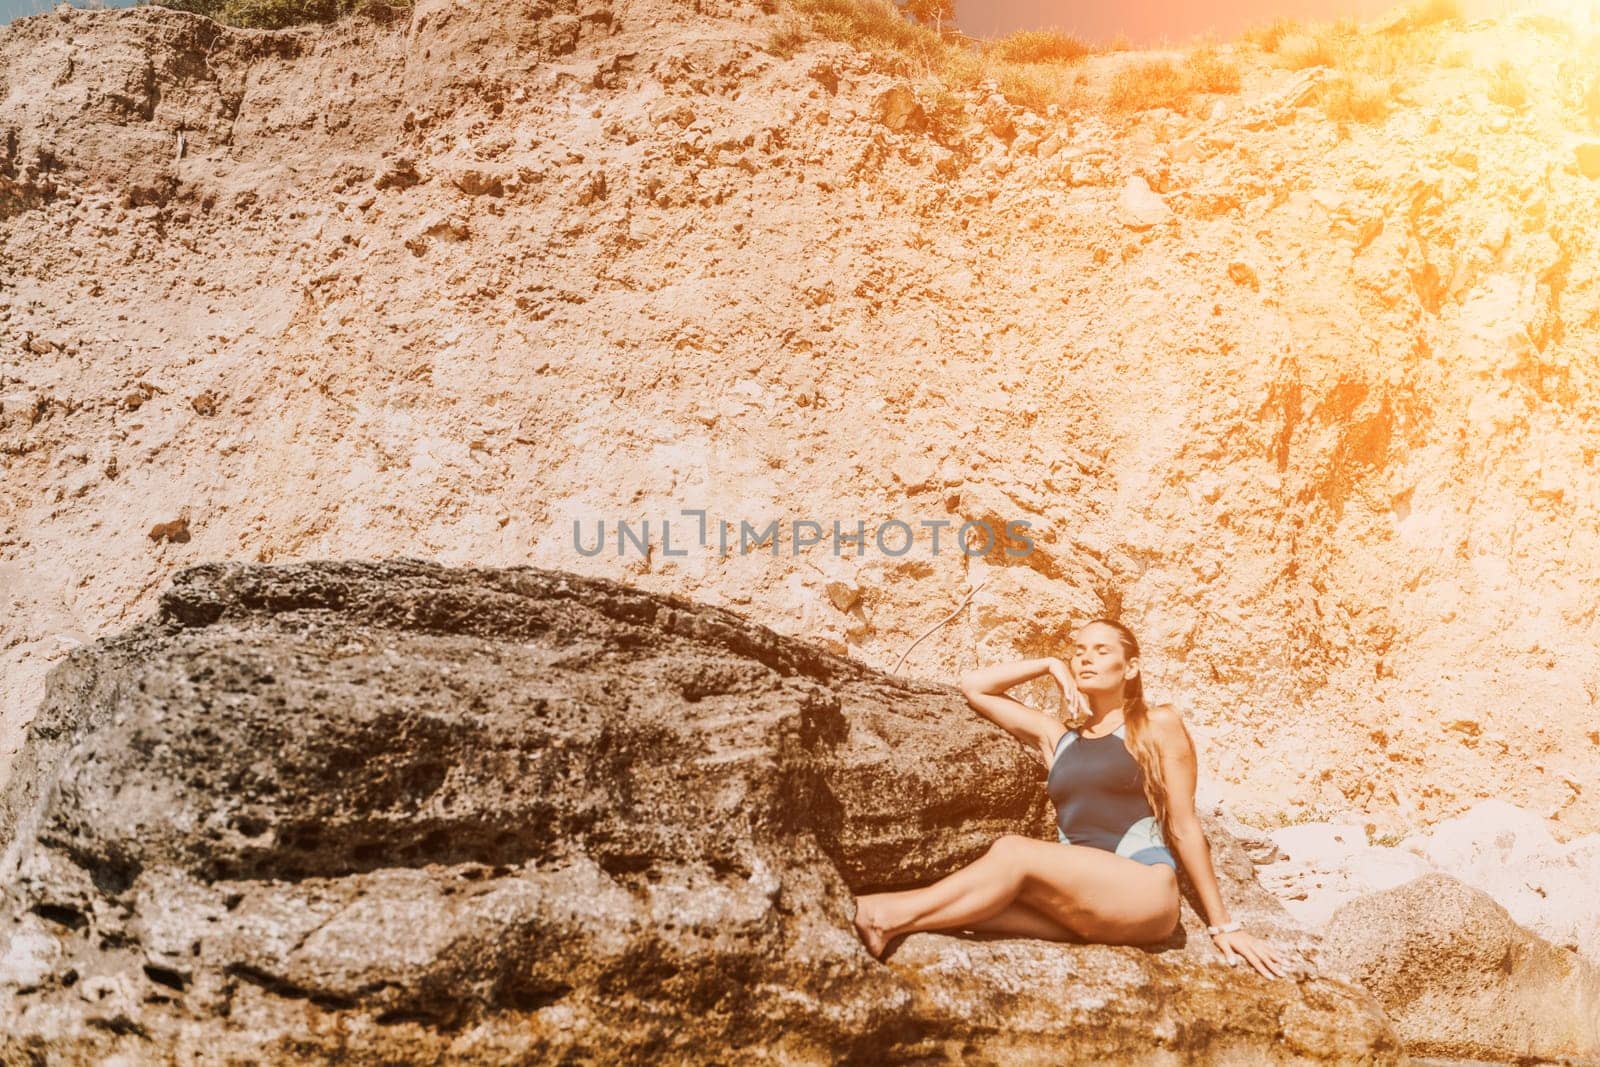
x=869, y=928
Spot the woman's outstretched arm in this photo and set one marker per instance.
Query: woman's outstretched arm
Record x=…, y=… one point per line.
x=1178, y=768
x=984, y=688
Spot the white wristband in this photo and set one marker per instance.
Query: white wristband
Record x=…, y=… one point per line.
x=1226, y=928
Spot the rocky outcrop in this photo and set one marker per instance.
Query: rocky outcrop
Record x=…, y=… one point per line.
x=353, y=812
x=1496, y=847
x=1462, y=979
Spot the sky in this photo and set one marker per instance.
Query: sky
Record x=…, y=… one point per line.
x=1146, y=22
x=1149, y=23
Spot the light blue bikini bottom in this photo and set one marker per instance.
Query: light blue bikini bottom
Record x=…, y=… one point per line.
x=1155, y=854
x=1138, y=844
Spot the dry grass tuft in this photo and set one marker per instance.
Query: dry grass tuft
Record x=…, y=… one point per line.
x=789, y=38
x=1148, y=83
x=1356, y=97
x=1369, y=69
x=1038, y=46
x=1298, y=51
x=875, y=26
x=1030, y=68
x=1208, y=72
x=1268, y=37
x=1152, y=83
x=1506, y=86
x=1431, y=13
x=947, y=114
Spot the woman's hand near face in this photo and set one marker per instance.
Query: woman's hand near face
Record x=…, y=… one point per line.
x=1074, y=705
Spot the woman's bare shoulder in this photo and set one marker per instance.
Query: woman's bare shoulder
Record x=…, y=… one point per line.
x=1166, y=721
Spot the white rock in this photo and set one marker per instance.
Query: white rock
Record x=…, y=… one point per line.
x=1493, y=831
x=1375, y=869
x=1320, y=844
x=29, y=957
x=1139, y=208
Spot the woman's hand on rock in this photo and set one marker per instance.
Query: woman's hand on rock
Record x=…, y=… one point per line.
x=1260, y=954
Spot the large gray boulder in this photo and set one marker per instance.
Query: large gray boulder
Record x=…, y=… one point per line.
x=365, y=812
x=1462, y=979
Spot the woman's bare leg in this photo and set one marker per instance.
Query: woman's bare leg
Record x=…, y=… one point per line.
x=1022, y=920
x=978, y=891
x=1087, y=891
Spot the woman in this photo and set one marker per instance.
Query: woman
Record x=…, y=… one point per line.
x=1123, y=787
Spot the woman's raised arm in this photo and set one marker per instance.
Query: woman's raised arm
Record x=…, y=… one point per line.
x=984, y=688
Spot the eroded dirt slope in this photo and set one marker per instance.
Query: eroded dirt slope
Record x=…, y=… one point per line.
x=1316, y=408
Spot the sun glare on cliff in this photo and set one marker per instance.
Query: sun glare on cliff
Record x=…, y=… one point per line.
x=1579, y=14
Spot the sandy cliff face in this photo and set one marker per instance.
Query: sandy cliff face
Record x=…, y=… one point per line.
x=1311, y=402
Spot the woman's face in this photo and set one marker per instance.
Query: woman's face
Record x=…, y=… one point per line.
x=1097, y=661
